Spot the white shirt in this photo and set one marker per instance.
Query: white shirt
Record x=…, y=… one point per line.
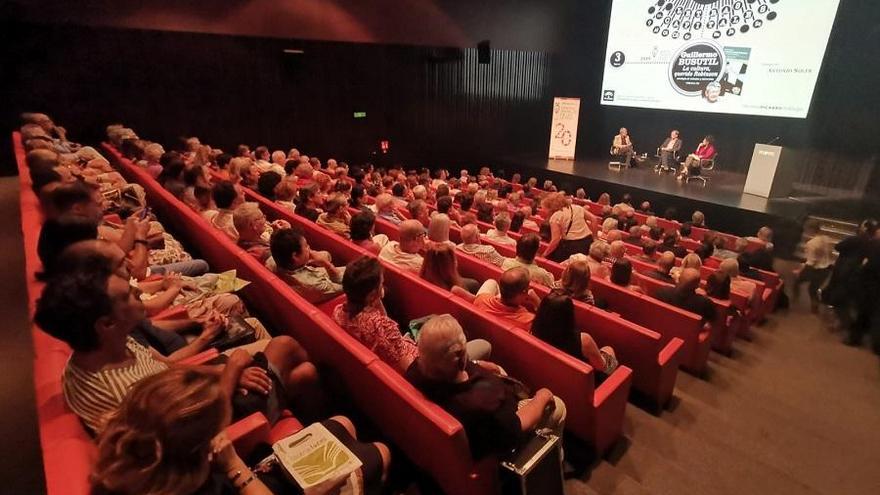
x=575, y=216
x=500, y=237
x=408, y=261
x=818, y=252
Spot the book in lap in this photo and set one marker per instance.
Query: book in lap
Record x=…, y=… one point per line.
x=315, y=458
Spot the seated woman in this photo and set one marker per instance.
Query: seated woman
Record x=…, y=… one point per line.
x=362, y=234
x=692, y=260
x=307, y=204
x=336, y=217
x=554, y=323
x=440, y=268
x=438, y=230
x=705, y=151
x=575, y=282
x=477, y=393
x=621, y=275
x=718, y=285
x=363, y=316
x=168, y=437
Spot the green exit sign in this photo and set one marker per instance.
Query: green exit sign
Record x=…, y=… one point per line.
x=360, y=115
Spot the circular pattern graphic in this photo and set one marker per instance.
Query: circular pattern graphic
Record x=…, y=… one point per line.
x=685, y=19
x=695, y=67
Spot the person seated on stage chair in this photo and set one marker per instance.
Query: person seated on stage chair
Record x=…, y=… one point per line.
x=623, y=147
x=705, y=151
x=668, y=150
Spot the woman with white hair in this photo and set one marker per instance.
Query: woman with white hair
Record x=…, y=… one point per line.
x=492, y=408
x=690, y=261
x=438, y=230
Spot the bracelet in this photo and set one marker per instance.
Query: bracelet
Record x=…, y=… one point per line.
x=141, y=241
x=246, y=482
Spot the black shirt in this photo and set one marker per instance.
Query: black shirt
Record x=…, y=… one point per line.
x=693, y=302
x=662, y=276
x=485, y=404
x=304, y=211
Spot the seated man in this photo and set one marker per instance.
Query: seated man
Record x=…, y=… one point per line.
x=635, y=236
x=664, y=266
x=470, y=244
x=475, y=393
x=94, y=311
x=499, y=233
x=386, y=208
x=310, y=273
x=526, y=250
x=254, y=232
x=510, y=298
x=623, y=147
x=684, y=295
x=598, y=253
x=668, y=151
x=738, y=283
x=406, y=252
x=227, y=199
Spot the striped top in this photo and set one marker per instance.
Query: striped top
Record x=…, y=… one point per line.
x=94, y=395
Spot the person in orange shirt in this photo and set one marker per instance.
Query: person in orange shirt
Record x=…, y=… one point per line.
x=510, y=298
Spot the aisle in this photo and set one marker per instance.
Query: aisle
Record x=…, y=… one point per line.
x=794, y=412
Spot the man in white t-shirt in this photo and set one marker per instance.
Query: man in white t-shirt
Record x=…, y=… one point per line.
x=406, y=252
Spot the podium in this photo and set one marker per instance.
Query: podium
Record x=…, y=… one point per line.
x=772, y=172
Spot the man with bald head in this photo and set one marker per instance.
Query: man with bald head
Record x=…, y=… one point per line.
x=470, y=244
x=476, y=394
x=685, y=295
x=510, y=298
x=664, y=266
x=406, y=253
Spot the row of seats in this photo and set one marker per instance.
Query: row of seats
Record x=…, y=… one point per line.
x=67, y=448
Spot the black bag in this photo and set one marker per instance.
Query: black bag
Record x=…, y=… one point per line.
x=238, y=332
x=535, y=468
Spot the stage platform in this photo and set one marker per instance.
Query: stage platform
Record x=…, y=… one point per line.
x=723, y=201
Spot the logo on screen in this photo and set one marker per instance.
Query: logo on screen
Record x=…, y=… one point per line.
x=608, y=95
x=687, y=19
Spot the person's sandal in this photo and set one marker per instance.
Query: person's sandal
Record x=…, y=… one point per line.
x=610, y=362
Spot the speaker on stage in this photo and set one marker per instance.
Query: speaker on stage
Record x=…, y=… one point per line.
x=484, y=52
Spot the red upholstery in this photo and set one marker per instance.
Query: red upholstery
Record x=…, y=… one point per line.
x=596, y=421
x=665, y=319
x=401, y=412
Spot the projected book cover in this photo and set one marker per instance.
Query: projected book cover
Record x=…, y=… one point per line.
x=754, y=57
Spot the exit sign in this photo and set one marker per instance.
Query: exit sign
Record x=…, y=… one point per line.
x=360, y=115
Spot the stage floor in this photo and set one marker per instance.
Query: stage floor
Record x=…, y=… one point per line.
x=724, y=188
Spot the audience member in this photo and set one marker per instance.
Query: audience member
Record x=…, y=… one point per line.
x=684, y=295
x=509, y=298
x=227, y=199
x=470, y=244
x=438, y=230
x=406, y=252
x=336, y=217
x=440, y=268
x=362, y=234
x=499, y=233
x=575, y=282
x=526, y=250
x=488, y=406
x=555, y=324
x=664, y=266
x=621, y=275
x=310, y=273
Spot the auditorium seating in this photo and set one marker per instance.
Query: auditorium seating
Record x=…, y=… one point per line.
x=68, y=449
x=429, y=436
x=595, y=414
x=654, y=362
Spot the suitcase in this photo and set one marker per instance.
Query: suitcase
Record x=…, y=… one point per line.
x=535, y=468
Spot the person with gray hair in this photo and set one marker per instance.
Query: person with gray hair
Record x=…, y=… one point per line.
x=479, y=394
x=499, y=233
x=470, y=244
x=664, y=266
